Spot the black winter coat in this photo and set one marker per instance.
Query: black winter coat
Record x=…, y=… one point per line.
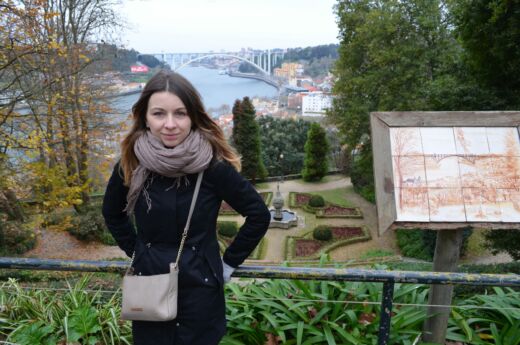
x=201, y=308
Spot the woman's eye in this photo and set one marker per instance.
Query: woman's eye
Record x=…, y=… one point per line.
x=181, y=113
x=157, y=113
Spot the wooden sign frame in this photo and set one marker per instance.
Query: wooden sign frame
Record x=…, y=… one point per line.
x=381, y=122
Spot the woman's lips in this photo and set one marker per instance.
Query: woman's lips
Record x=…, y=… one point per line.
x=170, y=136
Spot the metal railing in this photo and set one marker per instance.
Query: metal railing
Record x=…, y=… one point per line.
x=388, y=278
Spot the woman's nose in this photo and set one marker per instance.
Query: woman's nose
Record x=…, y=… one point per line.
x=170, y=122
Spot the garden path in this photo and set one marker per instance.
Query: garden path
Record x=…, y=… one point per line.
x=59, y=244
x=55, y=244
x=276, y=237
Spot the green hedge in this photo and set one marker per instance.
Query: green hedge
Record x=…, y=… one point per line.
x=16, y=237
x=316, y=201
x=322, y=233
x=420, y=244
x=90, y=226
x=227, y=228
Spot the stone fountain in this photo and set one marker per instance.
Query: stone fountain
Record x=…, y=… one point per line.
x=281, y=218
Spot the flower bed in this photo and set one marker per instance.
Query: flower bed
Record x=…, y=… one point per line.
x=299, y=199
x=329, y=211
x=337, y=211
x=346, y=232
x=267, y=196
x=306, y=247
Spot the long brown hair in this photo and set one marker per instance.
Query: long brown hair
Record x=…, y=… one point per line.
x=182, y=88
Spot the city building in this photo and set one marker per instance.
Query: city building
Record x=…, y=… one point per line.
x=294, y=101
x=315, y=103
x=289, y=71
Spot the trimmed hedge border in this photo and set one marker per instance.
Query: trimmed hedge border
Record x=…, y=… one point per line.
x=290, y=245
x=320, y=211
x=292, y=200
x=267, y=196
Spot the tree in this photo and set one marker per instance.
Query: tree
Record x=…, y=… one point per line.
x=246, y=138
x=150, y=61
x=391, y=53
x=315, y=165
x=49, y=46
x=490, y=32
x=283, y=137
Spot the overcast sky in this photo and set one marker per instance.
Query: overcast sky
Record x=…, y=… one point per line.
x=203, y=25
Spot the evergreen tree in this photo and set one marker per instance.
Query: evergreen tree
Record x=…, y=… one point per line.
x=316, y=150
x=237, y=119
x=283, y=136
x=246, y=139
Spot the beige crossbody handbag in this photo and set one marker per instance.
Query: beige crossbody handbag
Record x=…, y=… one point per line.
x=154, y=298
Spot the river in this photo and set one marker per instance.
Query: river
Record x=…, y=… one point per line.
x=216, y=89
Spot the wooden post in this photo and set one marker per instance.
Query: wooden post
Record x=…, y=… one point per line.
x=447, y=253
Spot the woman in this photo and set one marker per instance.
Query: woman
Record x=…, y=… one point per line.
x=171, y=140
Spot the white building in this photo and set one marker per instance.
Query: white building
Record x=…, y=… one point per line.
x=315, y=103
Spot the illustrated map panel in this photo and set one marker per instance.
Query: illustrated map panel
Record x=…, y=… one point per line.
x=456, y=174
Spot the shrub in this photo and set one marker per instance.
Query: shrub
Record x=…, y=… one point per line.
x=322, y=233
x=90, y=226
x=316, y=201
x=411, y=244
x=227, y=228
x=362, y=174
x=315, y=164
x=503, y=241
x=420, y=244
x=16, y=237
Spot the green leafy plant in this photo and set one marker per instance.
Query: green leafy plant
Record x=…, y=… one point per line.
x=316, y=201
x=16, y=237
x=322, y=233
x=34, y=333
x=90, y=226
x=73, y=316
x=227, y=228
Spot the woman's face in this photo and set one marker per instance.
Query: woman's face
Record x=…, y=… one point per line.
x=167, y=118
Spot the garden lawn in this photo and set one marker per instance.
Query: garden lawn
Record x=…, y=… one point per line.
x=336, y=196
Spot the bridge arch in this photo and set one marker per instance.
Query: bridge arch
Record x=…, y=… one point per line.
x=221, y=54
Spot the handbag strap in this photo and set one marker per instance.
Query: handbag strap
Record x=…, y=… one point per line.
x=187, y=226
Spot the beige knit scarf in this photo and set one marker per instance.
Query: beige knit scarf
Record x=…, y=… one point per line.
x=192, y=155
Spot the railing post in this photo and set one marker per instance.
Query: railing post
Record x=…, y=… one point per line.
x=386, y=313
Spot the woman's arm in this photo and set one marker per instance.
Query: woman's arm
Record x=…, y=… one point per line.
x=116, y=219
x=240, y=194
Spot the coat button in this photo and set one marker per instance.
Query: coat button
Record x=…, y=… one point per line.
x=178, y=324
x=193, y=248
x=206, y=280
x=148, y=244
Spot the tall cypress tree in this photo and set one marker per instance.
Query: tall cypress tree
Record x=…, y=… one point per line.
x=315, y=165
x=246, y=139
x=237, y=118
